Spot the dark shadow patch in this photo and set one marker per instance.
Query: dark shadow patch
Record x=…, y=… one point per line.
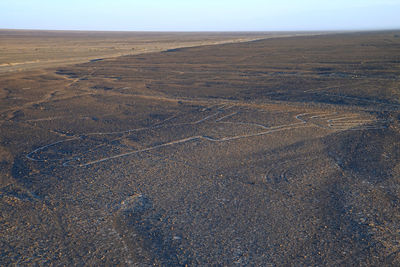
x=159, y=116
x=20, y=170
x=141, y=229
x=323, y=69
x=97, y=59
x=68, y=73
x=173, y=50
x=101, y=87
x=18, y=193
x=345, y=235
x=371, y=154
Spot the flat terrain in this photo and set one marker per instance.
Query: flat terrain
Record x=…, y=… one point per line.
x=283, y=151
x=25, y=50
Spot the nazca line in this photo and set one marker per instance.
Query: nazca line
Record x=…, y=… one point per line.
x=269, y=130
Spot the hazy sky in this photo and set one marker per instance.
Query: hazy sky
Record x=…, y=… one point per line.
x=200, y=15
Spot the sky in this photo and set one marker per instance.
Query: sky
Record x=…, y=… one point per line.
x=200, y=15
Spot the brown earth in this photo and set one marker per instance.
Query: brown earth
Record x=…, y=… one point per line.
x=26, y=50
x=280, y=151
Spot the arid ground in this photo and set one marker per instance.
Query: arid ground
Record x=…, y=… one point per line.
x=276, y=151
x=26, y=50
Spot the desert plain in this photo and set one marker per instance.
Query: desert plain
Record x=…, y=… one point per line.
x=200, y=149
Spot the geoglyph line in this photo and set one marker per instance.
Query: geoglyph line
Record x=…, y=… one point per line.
x=302, y=118
x=193, y=138
x=227, y=116
x=46, y=146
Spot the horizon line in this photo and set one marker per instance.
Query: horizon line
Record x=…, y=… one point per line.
x=204, y=31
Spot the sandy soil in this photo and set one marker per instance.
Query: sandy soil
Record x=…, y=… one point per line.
x=26, y=50
x=274, y=152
